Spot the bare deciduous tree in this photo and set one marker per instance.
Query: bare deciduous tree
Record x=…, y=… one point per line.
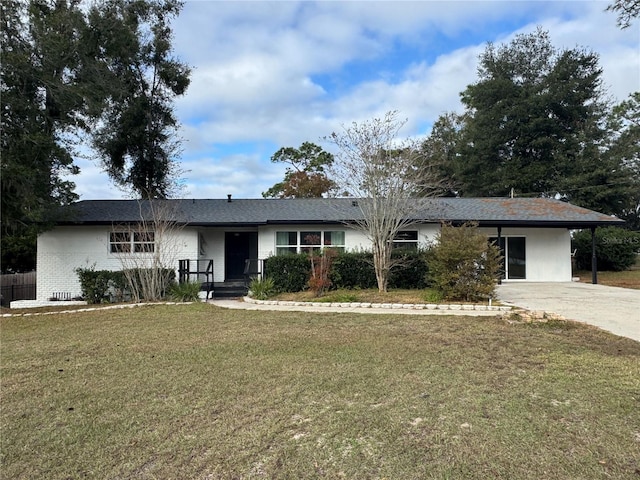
x=385, y=174
x=149, y=251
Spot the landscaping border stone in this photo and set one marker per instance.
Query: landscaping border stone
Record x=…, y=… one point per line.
x=390, y=306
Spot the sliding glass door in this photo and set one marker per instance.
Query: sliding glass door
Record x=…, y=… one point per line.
x=514, y=251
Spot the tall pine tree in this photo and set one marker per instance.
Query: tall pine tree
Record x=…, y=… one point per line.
x=535, y=124
x=138, y=142
x=624, y=150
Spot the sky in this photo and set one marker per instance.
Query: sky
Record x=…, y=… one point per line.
x=273, y=74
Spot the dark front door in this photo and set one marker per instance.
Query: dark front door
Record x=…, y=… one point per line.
x=239, y=246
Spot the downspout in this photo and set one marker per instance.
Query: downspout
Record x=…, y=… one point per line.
x=594, y=259
x=501, y=272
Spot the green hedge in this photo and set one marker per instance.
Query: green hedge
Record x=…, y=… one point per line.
x=97, y=286
x=411, y=272
x=290, y=273
x=616, y=248
x=104, y=286
x=350, y=270
x=353, y=270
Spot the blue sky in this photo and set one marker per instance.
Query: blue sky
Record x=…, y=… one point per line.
x=274, y=74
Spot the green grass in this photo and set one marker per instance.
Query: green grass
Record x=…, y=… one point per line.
x=195, y=391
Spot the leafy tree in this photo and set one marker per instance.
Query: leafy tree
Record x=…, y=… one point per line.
x=536, y=124
x=41, y=108
x=383, y=173
x=616, y=248
x=305, y=177
x=138, y=141
x=624, y=148
x=66, y=65
x=462, y=264
x=442, y=147
x=627, y=10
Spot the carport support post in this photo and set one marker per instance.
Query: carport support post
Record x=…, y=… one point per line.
x=594, y=259
x=502, y=259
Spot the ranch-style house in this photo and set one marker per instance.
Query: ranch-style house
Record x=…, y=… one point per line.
x=221, y=240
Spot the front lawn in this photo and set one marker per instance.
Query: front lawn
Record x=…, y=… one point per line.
x=199, y=392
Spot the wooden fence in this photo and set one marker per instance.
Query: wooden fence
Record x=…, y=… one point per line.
x=17, y=286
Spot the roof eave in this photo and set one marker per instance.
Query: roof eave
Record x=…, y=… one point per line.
x=571, y=224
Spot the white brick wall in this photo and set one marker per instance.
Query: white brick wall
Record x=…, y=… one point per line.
x=64, y=249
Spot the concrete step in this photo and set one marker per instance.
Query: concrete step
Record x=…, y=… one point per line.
x=229, y=289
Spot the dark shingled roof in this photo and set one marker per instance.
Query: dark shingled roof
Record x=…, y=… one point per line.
x=254, y=212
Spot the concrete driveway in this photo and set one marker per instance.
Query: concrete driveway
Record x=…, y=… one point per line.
x=616, y=310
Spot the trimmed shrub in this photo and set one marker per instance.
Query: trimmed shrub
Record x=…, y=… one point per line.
x=289, y=273
x=353, y=270
x=432, y=296
x=411, y=271
x=462, y=264
x=349, y=270
x=616, y=248
x=100, y=286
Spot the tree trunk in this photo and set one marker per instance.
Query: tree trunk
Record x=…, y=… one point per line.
x=381, y=265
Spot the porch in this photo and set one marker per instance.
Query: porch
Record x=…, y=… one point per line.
x=202, y=271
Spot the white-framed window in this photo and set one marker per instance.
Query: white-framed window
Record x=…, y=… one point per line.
x=407, y=239
x=127, y=241
x=308, y=240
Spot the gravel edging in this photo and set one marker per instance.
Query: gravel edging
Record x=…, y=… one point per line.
x=390, y=306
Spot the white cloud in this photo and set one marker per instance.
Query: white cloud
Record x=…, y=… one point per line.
x=93, y=182
x=216, y=178
x=280, y=73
